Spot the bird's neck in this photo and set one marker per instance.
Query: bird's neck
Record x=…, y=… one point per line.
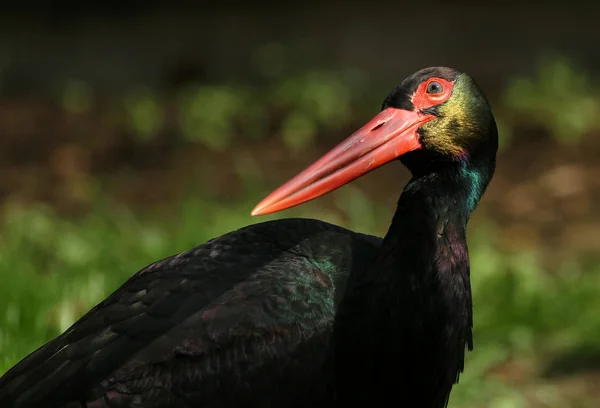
x=422, y=268
x=426, y=241
x=414, y=301
x=431, y=216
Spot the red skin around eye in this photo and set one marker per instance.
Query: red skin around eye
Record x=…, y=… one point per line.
x=422, y=100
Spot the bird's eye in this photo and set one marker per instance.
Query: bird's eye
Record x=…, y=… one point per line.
x=434, y=87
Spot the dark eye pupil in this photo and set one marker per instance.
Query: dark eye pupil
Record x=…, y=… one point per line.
x=434, y=87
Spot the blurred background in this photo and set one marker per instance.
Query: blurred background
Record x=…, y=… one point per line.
x=130, y=131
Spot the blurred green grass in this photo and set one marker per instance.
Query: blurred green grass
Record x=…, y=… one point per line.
x=54, y=269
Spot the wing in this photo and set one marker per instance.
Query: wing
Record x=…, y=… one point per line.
x=238, y=348
x=194, y=326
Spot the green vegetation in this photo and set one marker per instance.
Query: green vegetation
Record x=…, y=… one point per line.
x=559, y=97
x=53, y=268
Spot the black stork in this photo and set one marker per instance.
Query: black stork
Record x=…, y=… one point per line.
x=298, y=312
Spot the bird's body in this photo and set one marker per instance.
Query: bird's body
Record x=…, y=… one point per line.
x=197, y=329
x=297, y=312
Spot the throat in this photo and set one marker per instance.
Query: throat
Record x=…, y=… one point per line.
x=410, y=313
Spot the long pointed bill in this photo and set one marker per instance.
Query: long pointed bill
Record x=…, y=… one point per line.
x=390, y=134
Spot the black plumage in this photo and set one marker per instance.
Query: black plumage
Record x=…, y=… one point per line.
x=297, y=312
x=228, y=323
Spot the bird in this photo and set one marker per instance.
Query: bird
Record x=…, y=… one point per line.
x=298, y=312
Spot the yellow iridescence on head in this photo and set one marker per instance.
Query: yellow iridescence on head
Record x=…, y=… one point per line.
x=456, y=128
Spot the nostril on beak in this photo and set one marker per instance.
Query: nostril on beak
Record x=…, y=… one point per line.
x=378, y=126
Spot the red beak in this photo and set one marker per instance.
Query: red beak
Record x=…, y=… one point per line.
x=390, y=134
